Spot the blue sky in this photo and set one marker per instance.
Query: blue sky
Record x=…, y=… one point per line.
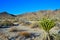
x=23, y=6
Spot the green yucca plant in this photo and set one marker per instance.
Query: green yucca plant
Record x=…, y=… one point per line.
x=47, y=24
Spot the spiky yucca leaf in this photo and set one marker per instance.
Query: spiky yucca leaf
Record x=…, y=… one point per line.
x=47, y=24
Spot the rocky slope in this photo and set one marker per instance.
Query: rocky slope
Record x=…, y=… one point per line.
x=25, y=31
x=39, y=14
x=32, y=16
x=19, y=33
x=6, y=15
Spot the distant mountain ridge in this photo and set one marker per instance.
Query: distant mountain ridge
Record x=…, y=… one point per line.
x=39, y=14
x=32, y=15
x=6, y=15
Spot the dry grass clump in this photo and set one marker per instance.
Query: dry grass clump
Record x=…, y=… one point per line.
x=13, y=29
x=6, y=23
x=25, y=34
x=34, y=25
x=3, y=36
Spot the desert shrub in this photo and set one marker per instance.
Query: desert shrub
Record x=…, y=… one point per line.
x=25, y=34
x=13, y=29
x=47, y=24
x=26, y=23
x=34, y=25
x=6, y=23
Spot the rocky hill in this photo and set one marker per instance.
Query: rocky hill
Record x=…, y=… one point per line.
x=39, y=14
x=28, y=30
x=6, y=15
x=32, y=16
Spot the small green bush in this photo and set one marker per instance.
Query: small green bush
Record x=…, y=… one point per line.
x=47, y=24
